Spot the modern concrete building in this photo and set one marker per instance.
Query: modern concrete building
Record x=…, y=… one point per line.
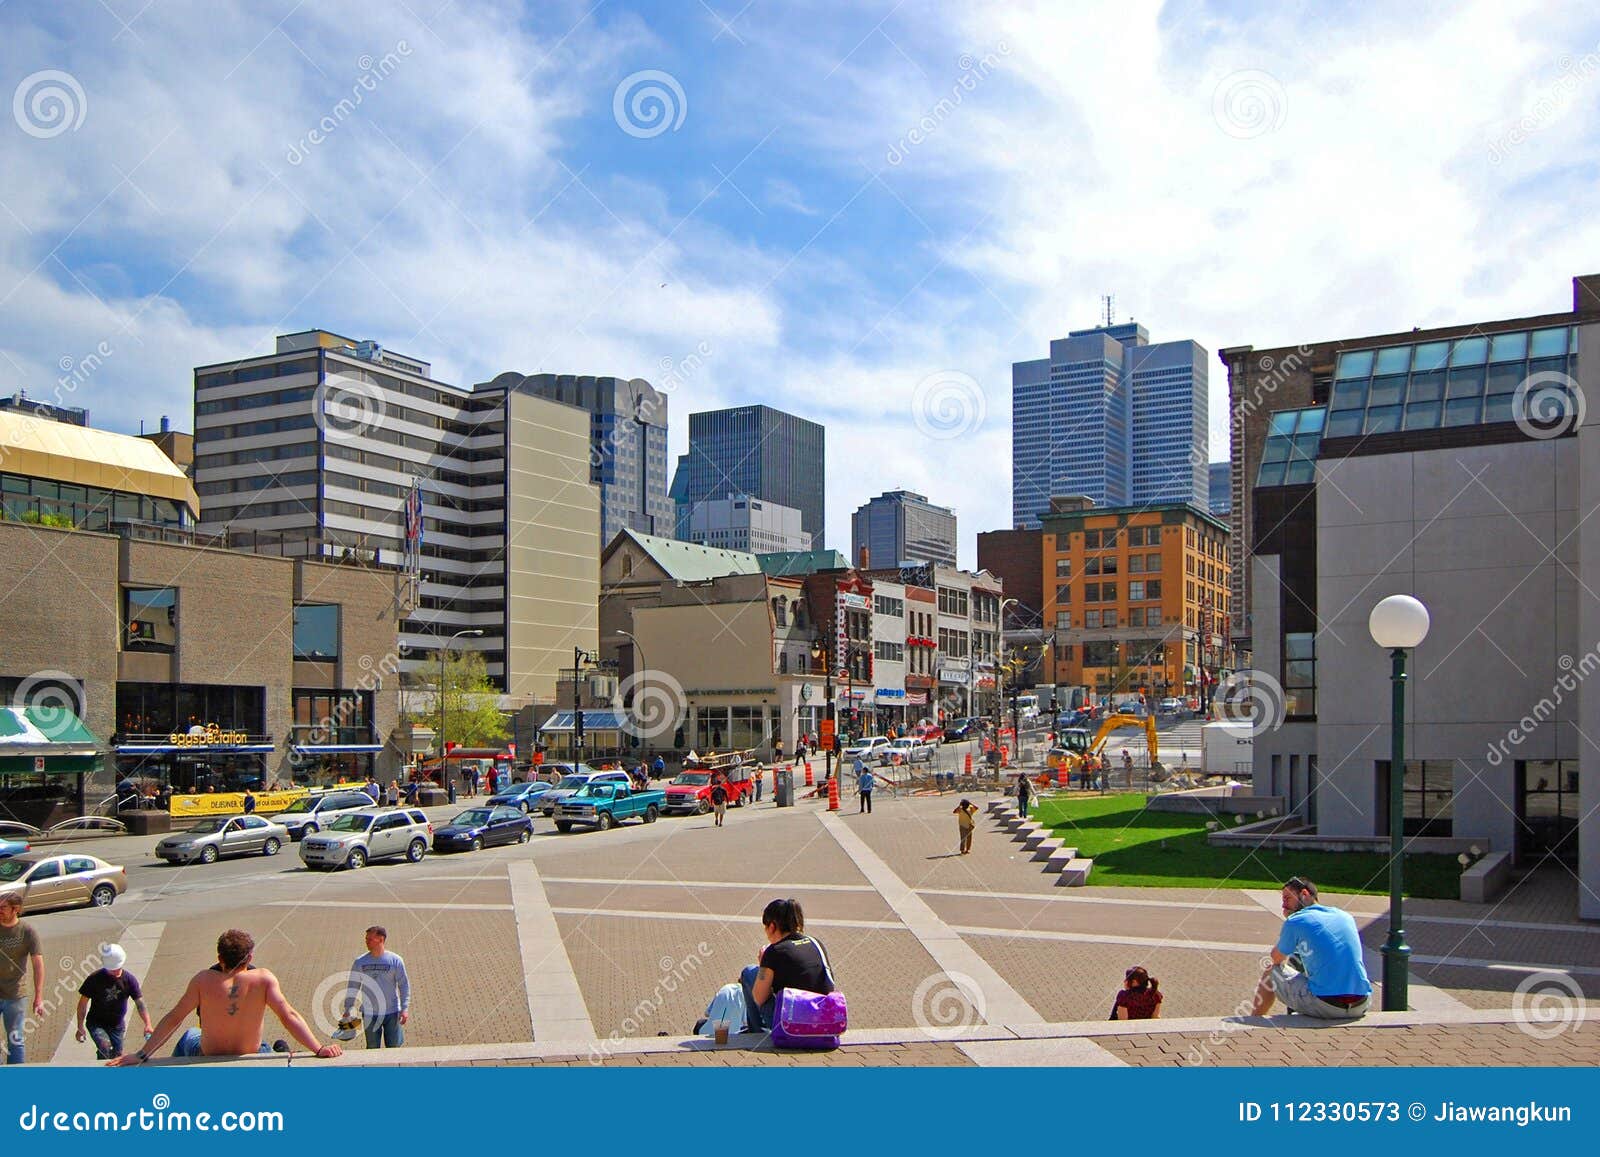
x=1457, y=466
x=68, y=475
x=20, y=403
x=1112, y=417
x=627, y=444
x=1221, y=489
x=757, y=451
x=740, y=522
x=901, y=528
x=325, y=438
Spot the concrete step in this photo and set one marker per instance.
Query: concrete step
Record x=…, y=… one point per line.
x=1047, y=849
x=1075, y=874
x=1039, y=837
x=1058, y=861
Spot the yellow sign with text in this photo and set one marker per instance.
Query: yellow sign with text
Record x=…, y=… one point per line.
x=231, y=803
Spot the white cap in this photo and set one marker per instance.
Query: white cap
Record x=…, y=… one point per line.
x=112, y=956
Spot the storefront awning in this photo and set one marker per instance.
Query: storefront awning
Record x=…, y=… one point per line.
x=197, y=749
x=592, y=721
x=335, y=748
x=45, y=740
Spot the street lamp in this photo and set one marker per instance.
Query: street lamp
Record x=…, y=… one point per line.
x=819, y=654
x=445, y=781
x=1398, y=623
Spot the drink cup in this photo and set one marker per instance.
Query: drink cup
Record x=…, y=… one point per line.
x=722, y=1032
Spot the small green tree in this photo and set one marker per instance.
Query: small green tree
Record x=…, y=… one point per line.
x=471, y=718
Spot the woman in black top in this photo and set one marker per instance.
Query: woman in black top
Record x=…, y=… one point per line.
x=791, y=959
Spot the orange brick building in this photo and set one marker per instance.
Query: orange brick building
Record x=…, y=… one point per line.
x=1137, y=597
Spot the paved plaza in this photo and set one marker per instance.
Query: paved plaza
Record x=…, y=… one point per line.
x=606, y=946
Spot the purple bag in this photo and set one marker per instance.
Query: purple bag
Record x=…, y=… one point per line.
x=809, y=1020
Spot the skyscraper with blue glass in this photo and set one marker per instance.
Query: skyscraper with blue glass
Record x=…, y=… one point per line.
x=1112, y=417
x=755, y=451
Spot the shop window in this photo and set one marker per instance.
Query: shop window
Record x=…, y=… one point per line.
x=150, y=619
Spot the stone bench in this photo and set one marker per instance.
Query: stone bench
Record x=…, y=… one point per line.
x=1057, y=861
x=1041, y=836
x=1484, y=881
x=1075, y=873
x=1047, y=850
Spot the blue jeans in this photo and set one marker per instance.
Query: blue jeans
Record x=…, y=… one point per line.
x=385, y=1032
x=107, y=1041
x=760, y=1015
x=189, y=1045
x=12, y=1013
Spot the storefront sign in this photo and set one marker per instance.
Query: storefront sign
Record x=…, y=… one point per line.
x=854, y=602
x=208, y=736
x=229, y=803
x=894, y=693
x=916, y=698
x=952, y=675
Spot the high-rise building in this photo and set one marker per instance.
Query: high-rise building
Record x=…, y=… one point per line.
x=1111, y=417
x=756, y=451
x=325, y=438
x=1221, y=488
x=901, y=527
x=627, y=443
x=745, y=523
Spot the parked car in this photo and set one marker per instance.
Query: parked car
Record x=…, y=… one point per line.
x=213, y=837
x=9, y=848
x=691, y=791
x=867, y=748
x=957, y=730
x=571, y=784
x=522, y=796
x=928, y=732
x=60, y=880
x=909, y=749
x=355, y=839
x=603, y=804
x=311, y=813
x=483, y=827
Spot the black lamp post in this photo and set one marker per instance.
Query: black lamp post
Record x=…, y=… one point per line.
x=820, y=654
x=1398, y=623
x=579, y=655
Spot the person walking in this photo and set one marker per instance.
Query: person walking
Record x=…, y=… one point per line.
x=103, y=1004
x=719, y=799
x=777, y=751
x=249, y=802
x=966, y=820
x=658, y=768
x=381, y=991
x=1024, y=790
x=865, y=781
x=20, y=955
x=1316, y=964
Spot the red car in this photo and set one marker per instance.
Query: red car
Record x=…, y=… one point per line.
x=928, y=732
x=691, y=791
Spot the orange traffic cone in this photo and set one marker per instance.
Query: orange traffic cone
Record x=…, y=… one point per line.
x=1005, y=755
x=1061, y=774
x=969, y=763
x=833, y=794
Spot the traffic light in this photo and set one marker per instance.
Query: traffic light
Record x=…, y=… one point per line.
x=577, y=727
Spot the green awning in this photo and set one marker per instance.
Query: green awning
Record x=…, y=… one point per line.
x=46, y=740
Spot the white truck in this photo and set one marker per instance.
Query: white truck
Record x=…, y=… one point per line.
x=1227, y=749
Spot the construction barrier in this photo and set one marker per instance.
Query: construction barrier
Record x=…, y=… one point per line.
x=1061, y=774
x=1005, y=755
x=833, y=794
x=809, y=781
x=969, y=763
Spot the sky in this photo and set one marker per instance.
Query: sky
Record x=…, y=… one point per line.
x=860, y=212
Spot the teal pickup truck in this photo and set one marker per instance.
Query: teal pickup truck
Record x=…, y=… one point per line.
x=604, y=805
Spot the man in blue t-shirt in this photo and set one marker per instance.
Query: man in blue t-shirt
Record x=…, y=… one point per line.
x=1316, y=964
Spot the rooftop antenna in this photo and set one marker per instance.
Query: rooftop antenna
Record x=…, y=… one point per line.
x=1110, y=302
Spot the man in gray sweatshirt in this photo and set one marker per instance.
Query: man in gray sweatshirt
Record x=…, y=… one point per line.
x=380, y=988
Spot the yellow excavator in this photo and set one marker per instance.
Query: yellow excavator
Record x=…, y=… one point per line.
x=1073, y=743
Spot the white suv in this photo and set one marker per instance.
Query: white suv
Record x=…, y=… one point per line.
x=311, y=813
x=909, y=749
x=355, y=839
x=869, y=747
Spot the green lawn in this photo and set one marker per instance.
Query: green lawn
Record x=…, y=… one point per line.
x=1136, y=848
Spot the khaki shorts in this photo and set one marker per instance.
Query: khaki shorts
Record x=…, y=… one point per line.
x=1294, y=990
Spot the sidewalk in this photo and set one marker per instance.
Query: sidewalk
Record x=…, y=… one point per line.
x=1410, y=1039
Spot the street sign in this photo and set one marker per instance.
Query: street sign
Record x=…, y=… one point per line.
x=826, y=732
x=38, y=764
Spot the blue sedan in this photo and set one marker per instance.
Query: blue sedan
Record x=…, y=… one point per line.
x=9, y=848
x=522, y=796
x=482, y=827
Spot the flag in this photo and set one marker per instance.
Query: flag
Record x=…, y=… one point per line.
x=414, y=521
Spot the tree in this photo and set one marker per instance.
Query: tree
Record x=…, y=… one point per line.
x=471, y=718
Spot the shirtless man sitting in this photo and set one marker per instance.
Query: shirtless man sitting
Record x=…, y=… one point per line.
x=231, y=998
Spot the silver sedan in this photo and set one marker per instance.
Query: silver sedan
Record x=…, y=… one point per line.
x=213, y=837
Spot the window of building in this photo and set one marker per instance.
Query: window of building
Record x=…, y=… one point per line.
x=1064, y=593
x=1300, y=673
x=1152, y=562
x=889, y=652
x=1091, y=620
x=1063, y=620
x=1063, y=568
x=1135, y=592
x=1135, y=536
x=1152, y=588
x=1101, y=654
x=1108, y=565
x=783, y=662
x=1091, y=592
x=1091, y=540
x=1091, y=565
x=150, y=619
x=1428, y=790
x=316, y=632
x=1136, y=564
x=1108, y=618
x=1136, y=617
x=953, y=602
x=1108, y=592
x=1547, y=809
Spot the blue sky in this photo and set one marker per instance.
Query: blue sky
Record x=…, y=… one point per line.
x=850, y=200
